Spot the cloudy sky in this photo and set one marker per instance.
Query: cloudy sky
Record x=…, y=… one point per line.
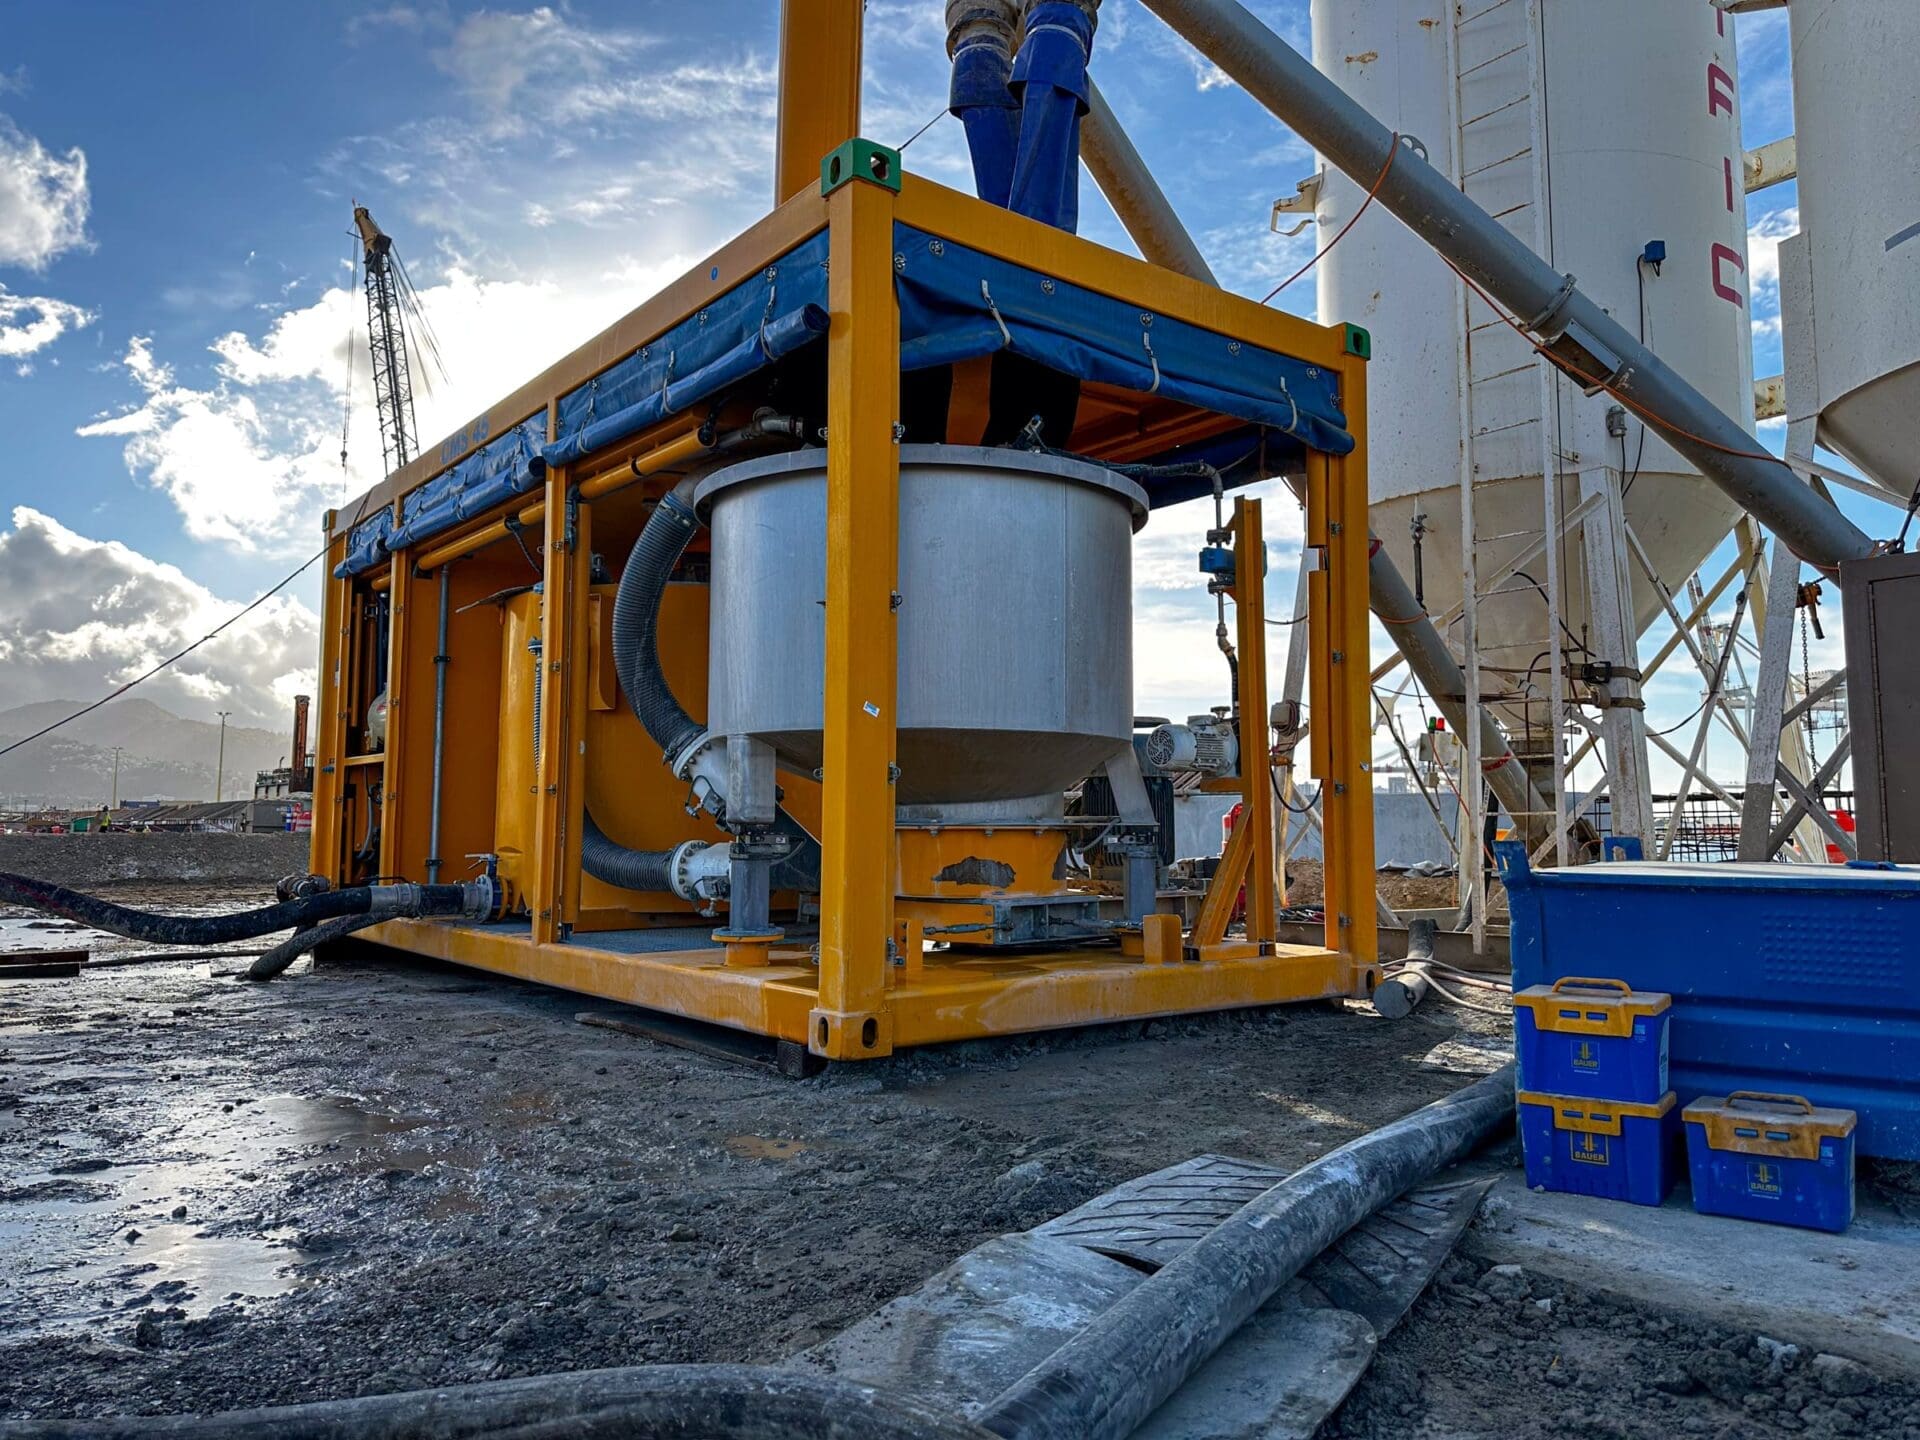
x=178, y=327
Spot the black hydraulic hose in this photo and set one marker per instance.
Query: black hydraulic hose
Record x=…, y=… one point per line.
x=687, y=1402
x=272, y=962
x=1105, y=1381
x=158, y=929
x=636, y=659
x=607, y=860
x=636, y=626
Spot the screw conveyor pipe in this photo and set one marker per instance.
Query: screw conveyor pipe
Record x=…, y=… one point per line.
x=1577, y=333
x=1149, y=218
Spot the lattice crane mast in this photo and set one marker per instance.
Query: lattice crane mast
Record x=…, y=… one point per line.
x=392, y=303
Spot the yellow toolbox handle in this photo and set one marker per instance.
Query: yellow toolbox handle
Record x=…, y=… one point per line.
x=1581, y=982
x=1766, y=1097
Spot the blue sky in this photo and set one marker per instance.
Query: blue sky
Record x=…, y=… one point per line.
x=175, y=187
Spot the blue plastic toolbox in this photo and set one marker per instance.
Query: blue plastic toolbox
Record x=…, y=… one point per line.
x=1778, y=1158
x=1615, y=1150
x=1802, y=978
x=1598, y=1038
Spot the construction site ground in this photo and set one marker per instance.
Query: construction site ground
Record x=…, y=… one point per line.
x=384, y=1175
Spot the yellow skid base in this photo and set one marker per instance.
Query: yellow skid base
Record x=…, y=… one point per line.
x=957, y=999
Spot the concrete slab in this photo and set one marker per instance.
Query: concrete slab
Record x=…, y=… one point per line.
x=1856, y=1294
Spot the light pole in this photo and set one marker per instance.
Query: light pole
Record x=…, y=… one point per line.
x=220, y=765
x=116, y=779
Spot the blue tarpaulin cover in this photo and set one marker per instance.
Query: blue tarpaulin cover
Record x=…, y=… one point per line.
x=1050, y=82
x=508, y=465
x=957, y=304
x=749, y=327
x=366, y=544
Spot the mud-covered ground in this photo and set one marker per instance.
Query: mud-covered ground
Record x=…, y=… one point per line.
x=123, y=858
x=384, y=1175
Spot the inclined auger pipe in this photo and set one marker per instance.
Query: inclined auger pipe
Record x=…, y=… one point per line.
x=1103, y=1383
x=1149, y=218
x=1577, y=332
x=1425, y=651
x=1136, y=197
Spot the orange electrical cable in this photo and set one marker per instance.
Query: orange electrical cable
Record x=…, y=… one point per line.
x=1378, y=181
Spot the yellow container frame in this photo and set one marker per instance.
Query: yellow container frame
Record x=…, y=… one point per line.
x=872, y=987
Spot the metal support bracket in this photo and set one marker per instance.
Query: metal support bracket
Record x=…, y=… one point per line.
x=861, y=160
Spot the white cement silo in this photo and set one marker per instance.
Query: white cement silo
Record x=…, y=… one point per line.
x=1634, y=104
x=1850, y=281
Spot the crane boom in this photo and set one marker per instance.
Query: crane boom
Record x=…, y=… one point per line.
x=387, y=337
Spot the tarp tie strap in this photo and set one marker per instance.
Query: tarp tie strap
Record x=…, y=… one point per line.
x=1006, y=335
x=1146, y=343
x=1293, y=421
x=773, y=292
x=666, y=383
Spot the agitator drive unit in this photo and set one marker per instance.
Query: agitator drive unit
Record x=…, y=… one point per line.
x=773, y=651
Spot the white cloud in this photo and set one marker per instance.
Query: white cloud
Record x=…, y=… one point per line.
x=30, y=323
x=250, y=479
x=43, y=199
x=1763, y=246
x=79, y=616
x=252, y=460
x=497, y=57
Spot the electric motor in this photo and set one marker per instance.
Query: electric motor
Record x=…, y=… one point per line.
x=1205, y=745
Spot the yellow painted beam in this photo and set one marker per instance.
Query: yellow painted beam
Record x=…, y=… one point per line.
x=819, y=89
x=396, y=771
x=554, y=875
x=1256, y=771
x=949, y=999
x=1210, y=925
x=863, y=500
x=330, y=716
x=1342, y=698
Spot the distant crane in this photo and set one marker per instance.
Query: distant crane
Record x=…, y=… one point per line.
x=392, y=303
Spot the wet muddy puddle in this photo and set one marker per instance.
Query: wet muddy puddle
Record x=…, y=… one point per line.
x=169, y=1213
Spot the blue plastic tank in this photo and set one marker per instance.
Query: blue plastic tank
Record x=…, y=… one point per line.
x=1785, y=978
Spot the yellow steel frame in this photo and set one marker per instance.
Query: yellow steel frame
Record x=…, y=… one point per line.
x=874, y=987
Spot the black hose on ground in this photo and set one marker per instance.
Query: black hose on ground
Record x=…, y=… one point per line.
x=687, y=1402
x=157, y=929
x=1110, y=1377
x=272, y=962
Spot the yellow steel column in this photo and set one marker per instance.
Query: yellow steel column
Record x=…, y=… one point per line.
x=1342, y=700
x=556, y=839
x=394, y=774
x=1256, y=768
x=330, y=717
x=819, y=89
x=863, y=499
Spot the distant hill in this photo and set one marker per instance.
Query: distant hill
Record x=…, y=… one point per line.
x=163, y=756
